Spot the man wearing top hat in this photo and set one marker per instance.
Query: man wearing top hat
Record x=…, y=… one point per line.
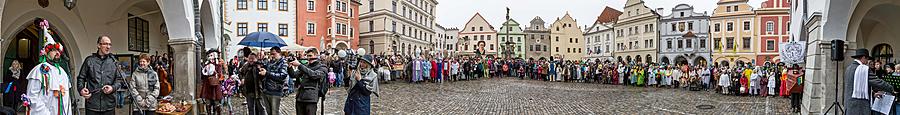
x=857, y=84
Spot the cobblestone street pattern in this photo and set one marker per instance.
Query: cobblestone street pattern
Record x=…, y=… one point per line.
x=514, y=96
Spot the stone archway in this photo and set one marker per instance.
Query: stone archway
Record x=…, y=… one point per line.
x=681, y=60
x=700, y=61
x=873, y=23
x=664, y=60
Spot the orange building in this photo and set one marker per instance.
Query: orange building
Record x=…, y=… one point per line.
x=328, y=23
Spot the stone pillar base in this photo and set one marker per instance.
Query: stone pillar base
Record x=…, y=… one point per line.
x=185, y=71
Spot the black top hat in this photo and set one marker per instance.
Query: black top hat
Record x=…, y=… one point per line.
x=860, y=52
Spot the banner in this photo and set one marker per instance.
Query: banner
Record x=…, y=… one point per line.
x=793, y=52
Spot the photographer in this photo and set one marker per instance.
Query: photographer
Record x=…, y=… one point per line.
x=312, y=72
x=365, y=83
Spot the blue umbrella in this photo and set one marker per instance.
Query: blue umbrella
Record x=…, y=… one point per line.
x=262, y=39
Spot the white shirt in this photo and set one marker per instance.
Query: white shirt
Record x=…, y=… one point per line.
x=861, y=81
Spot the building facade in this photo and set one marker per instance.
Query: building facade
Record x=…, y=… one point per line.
x=397, y=26
x=538, y=41
x=328, y=24
x=600, y=36
x=772, y=21
x=636, y=33
x=182, y=29
x=512, y=38
x=478, y=37
x=862, y=24
x=684, y=37
x=451, y=41
x=243, y=17
x=732, y=35
x=566, y=35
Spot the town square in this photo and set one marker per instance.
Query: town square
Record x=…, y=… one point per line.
x=423, y=57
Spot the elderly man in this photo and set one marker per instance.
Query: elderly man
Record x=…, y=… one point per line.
x=857, y=84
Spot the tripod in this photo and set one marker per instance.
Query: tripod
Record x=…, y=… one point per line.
x=835, y=103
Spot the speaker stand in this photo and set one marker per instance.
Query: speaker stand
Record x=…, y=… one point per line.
x=835, y=103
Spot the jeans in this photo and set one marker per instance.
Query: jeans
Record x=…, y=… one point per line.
x=273, y=104
x=339, y=79
x=254, y=105
x=120, y=99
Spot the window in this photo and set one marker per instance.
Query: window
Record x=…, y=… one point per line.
x=727, y=8
x=311, y=5
x=545, y=48
x=489, y=37
x=673, y=26
x=371, y=5
x=680, y=44
x=480, y=28
x=310, y=28
x=736, y=8
x=138, y=34
x=241, y=29
x=729, y=44
x=492, y=46
x=770, y=27
x=746, y=42
x=747, y=25
x=519, y=39
x=651, y=29
x=669, y=44
x=557, y=49
x=702, y=43
x=717, y=28
x=282, y=30
x=242, y=4
x=570, y=40
x=689, y=43
x=682, y=14
x=371, y=26
x=557, y=38
x=262, y=4
x=770, y=45
x=262, y=27
x=729, y=26
x=690, y=26
x=394, y=6
x=718, y=43
x=283, y=5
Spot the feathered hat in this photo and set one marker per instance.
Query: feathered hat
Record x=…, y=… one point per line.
x=47, y=38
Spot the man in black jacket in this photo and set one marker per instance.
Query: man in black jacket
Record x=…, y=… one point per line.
x=249, y=72
x=311, y=73
x=98, y=78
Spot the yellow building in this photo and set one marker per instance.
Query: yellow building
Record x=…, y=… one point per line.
x=566, y=38
x=732, y=34
x=636, y=33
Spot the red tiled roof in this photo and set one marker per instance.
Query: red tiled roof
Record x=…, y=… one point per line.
x=609, y=15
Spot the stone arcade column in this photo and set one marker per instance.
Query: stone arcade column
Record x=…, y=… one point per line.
x=179, y=18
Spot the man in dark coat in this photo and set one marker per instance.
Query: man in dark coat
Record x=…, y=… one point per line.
x=99, y=77
x=312, y=71
x=857, y=84
x=249, y=72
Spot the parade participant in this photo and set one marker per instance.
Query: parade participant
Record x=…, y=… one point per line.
x=754, y=81
x=211, y=89
x=99, y=66
x=454, y=70
x=705, y=74
x=365, y=83
x=796, y=90
x=857, y=94
x=725, y=81
x=144, y=87
x=653, y=71
x=48, y=84
x=772, y=81
x=313, y=71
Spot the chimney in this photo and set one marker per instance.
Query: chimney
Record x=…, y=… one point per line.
x=659, y=9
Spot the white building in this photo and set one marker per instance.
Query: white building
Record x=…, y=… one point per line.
x=600, y=37
x=243, y=17
x=178, y=27
x=684, y=37
x=869, y=24
x=397, y=26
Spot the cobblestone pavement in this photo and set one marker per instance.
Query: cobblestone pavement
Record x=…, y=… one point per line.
x=514, y=96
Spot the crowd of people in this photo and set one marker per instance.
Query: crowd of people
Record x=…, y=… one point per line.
x=740, y=79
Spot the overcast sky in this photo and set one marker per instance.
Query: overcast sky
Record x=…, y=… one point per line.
x=455, y=13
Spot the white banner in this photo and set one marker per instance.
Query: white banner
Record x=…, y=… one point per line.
x=793, y=52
